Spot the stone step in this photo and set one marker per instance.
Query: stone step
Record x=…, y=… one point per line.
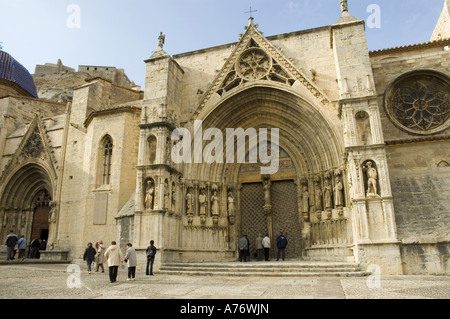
x=346, y=269
x=348, y=259
x=303, y=268
x=263, y=274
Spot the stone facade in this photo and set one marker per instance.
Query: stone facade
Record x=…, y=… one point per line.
x=363, y=151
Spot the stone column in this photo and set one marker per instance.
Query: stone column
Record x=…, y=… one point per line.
x=268, y=206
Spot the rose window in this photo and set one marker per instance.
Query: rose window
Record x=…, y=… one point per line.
x=254, y=64
x=419, y=103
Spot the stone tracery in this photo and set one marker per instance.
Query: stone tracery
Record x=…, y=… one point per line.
x=419, y=103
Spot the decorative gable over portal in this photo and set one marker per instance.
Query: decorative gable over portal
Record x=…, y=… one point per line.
x=35, y=148
x=256, y=59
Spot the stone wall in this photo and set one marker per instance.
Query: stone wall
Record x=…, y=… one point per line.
x=418, y=165
x=421, y=189
x=429, y=259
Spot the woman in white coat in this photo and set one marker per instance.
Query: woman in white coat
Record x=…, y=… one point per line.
x=115, y=258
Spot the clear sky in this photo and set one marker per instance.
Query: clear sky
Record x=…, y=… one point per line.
x=124, y=33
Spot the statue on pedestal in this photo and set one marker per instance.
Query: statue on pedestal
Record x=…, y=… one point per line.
x=338, y=193
x=344, y=6
x=202, y=204
x=231, y=208
x=372, y=176
x=150, y=195
x=317, y=196
x=189, y=205
x=215, y=206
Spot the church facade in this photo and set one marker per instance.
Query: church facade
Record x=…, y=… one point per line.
x=359, y=141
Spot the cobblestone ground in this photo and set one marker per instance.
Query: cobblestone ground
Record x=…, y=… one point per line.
x=50, y=282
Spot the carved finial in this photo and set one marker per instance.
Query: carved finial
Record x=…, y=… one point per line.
x=161, y=40
x=344, y=6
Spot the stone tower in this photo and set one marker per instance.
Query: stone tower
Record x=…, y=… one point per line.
x=157, y=177
x=365, y=154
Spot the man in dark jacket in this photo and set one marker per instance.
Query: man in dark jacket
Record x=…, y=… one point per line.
x=243, y=246
x=281, y=245
x=89, y=256
x=11, y=241
x=151, y=252
x=34, y=248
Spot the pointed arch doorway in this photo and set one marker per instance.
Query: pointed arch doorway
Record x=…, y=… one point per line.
x=269, y=206
x=308, y=147
x=25, y=202
x=41, y=213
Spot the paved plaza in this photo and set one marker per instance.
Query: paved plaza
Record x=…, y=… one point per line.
x=53, y=281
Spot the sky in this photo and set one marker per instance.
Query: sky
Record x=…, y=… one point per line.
x=125, y=33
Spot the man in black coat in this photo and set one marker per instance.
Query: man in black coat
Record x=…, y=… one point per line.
x=89, y=256
x=11, y=241
x=150, y=252
x=281, y=245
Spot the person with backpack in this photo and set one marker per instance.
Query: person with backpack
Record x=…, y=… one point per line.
x=151, y=252
x=11, y=241
x=281, y=245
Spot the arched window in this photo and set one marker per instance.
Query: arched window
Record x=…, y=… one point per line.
x=107, y=150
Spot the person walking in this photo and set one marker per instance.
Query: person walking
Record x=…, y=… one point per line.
x=248, y=252
x=266, y=245
x=131, y=260
x=151, y=253
x=11, y=241
x=101, y=256
x=34, y=248
x=89, y=256
x=22, y=244
x=259, y=247
x=281, y=245
x=114, y=257
x=242, y=246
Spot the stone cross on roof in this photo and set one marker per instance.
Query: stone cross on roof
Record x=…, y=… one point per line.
x=251, y=12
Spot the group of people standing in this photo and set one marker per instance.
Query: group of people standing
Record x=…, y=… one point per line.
x=262, y=245
x=14, y=244
x=114, y=257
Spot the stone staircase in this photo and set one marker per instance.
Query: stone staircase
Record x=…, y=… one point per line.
x=292, y=268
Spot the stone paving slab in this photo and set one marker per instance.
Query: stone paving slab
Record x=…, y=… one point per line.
x=49, y=281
